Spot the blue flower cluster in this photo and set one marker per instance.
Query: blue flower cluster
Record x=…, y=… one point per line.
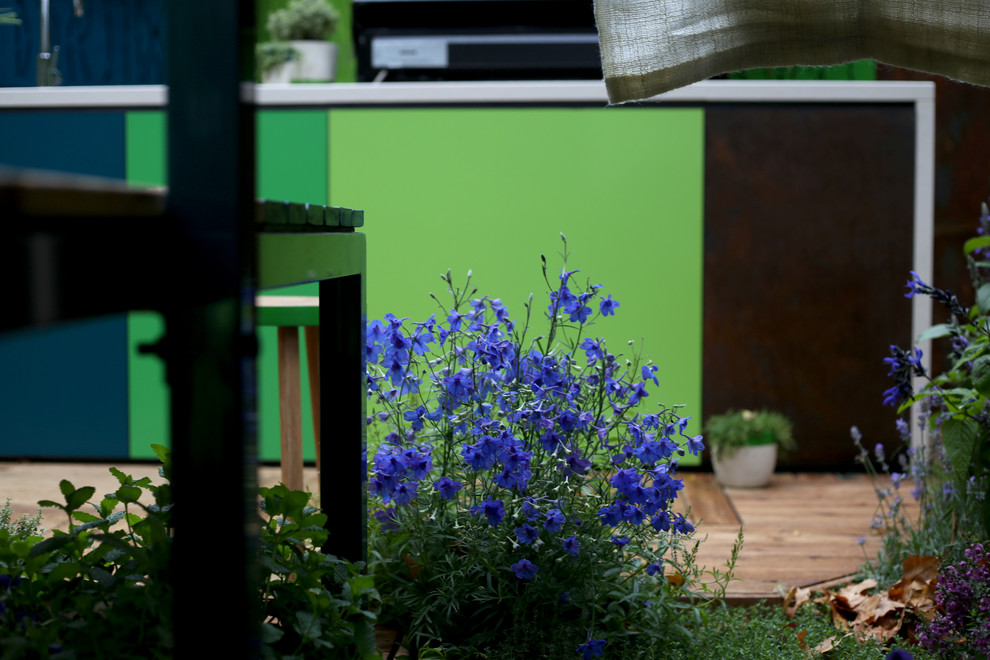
x=487, y=428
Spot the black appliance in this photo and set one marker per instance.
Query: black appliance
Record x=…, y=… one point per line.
x=403, y=40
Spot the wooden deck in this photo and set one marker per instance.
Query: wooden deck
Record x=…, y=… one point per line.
x=799, y=531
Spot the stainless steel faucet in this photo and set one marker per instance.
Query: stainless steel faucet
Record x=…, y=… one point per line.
x=48, y=73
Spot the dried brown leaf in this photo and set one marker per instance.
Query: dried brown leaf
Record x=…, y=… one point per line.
x=856, y=593
x=794, y=599
x=842, y=613
x=825, y=645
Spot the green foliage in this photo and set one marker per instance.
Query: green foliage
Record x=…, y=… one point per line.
x=271, y=54
x=103, y=589
x=956, y=403
x=948, y=472
x=302, y=20
x=315, y=605
x=739, y=428
x=22, y=528
x=764, y=632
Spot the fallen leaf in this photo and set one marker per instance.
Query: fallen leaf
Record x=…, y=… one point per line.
x=794, y=599
x=856, y=593
x=826, y=644
x=842, y=613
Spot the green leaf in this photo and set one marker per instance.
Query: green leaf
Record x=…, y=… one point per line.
x=936, y=331
x=79, y=497
x=959, y=436
x=121, y=477
x=66, y=487
x=21, y=548
x=981, y=375
x=102, y=576
x=128, y=494
x=49, y=503
x=976, y=243
x=983, y=298
x=270, y=633
x=51, y=544
x=162, y=452
x=84, y=517
x=65, y=571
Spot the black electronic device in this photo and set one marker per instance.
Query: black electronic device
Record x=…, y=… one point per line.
x=476, y=40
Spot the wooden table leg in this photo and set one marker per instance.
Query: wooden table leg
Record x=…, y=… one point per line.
x=290, y=407
x=313, y=363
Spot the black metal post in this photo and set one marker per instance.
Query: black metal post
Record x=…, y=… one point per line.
x=210, y=342
x=343, y=488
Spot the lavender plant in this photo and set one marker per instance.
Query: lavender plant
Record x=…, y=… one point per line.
x=521, y=484
x=961, y=627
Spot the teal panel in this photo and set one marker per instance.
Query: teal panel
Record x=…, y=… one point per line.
x=490, y=190
x=77, y=142
x=63, y=390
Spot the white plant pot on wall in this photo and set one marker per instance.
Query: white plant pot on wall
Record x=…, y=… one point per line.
x=281, y=73
x=748, y=467
x=316, y=62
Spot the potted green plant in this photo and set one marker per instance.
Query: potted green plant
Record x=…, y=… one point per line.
x=307, y=26
x=744, y=445
x=274, y=61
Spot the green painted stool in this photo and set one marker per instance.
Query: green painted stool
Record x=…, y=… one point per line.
x=289, y=313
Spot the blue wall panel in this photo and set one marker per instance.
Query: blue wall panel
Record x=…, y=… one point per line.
x=78, y=142
x=63, y=391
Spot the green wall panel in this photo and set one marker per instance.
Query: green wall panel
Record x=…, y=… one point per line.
x=490, y=189
x=292, y=165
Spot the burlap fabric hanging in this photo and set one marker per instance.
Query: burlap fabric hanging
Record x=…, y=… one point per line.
x=652, y=46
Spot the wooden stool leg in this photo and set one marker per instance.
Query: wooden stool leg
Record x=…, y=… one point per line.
x=290, y=407
x=313, y=363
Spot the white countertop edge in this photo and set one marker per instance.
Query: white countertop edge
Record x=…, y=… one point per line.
x=413, y=93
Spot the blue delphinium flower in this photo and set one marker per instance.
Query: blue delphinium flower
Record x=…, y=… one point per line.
x=571, y=545
x=448, y=487
x=526, y=533
x=534, y=417
x=608, y=306
x=555, y=521
x=525, y=569
x=592, y=648
x=493, y=510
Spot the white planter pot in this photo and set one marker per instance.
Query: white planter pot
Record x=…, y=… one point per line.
x=317, y=61
x=748, y=467
x=279, y=74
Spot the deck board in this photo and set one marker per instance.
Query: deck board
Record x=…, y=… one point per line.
x=799, y=531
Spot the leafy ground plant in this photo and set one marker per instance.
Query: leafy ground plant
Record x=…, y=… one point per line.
x=103, y=589
x=765, y=632
x=522, y=484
